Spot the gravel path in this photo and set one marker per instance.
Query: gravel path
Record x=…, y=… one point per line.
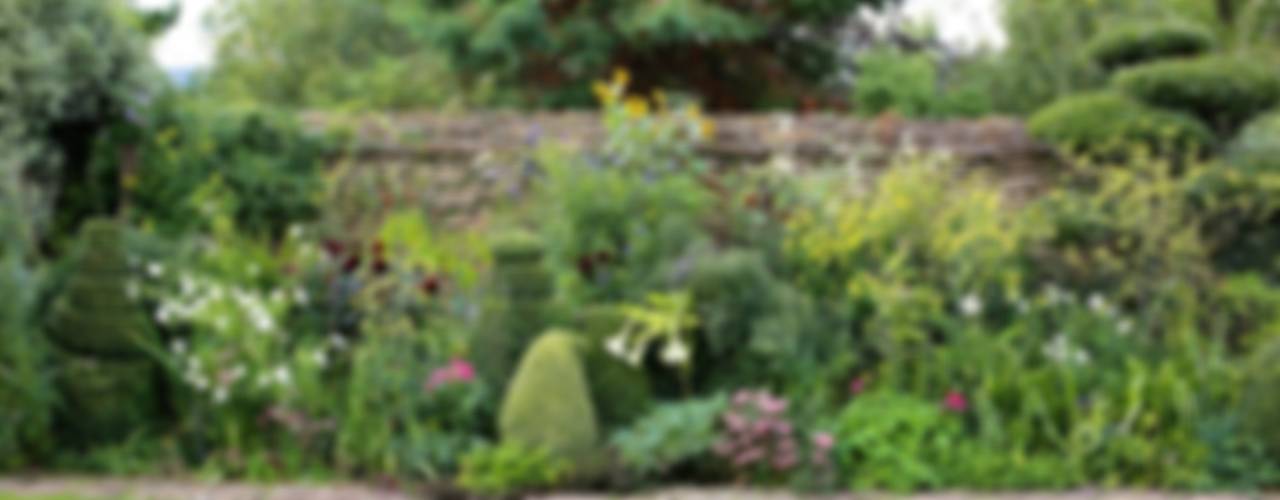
x=164, y=489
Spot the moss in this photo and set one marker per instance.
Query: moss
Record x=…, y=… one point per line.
x=548, y=404
x=1141, y=42
x=621, y=392
x=1222, y=91
x=1108, y=125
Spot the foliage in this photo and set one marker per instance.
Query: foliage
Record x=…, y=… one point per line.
x=26, y=392
x=1223, y=91
x=511, y=468
x=1109, y=125
x=519, y=309
x=269, y=166
x=69, y=69
x=670, y=435
x=548, y=403
x=1127, y=45
x=621, y=392
x=614, y=218
x=908, y=84
x=526, y=52
x=895, y=442
x=105, y=374
x=1259, y=409
x=1257, y=147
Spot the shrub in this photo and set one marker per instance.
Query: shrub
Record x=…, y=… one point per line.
x=621, y=392
x=908, y=84
x=517, y=310
x=510, y=468
x=548, y=403
x=1259, y=407
x=1223, y=91
x=894, y=441
x=1257, y=147
x=27, y=396
x=102, y=341
x=669, y=436
x=1146, y=41
x=1109, y=125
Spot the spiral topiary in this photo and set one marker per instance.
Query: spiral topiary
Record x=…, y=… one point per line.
x=548, y=404
x=101, y=340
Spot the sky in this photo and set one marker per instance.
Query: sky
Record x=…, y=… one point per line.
x=188, y=45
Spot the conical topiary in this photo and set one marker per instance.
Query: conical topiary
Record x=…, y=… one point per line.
x=101, y=340
x=548, y=404
x=517, y=310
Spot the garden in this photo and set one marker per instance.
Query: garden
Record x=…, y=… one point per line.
x=201, y=280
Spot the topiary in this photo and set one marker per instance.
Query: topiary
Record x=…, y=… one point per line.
x=548, y=404
x=518, y=310
x=1257, y=147
x=1141, y=42
x=620, y=391
x=1260, y=409
x=1107, y=125
x=102, y=342
x=1223, y=91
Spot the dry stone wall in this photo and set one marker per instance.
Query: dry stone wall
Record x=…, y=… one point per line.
x=460, y=165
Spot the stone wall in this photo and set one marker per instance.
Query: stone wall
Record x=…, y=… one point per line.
x=462, y=164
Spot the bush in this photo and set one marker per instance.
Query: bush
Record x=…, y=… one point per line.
x=896, y=442
x=1146, y=41
x=1109, y=126
x=1223, y=91
x=510, y=468
x=26, y=393
x=1260, y=408
x=67, y=70
x=671, y=435
x=518, y=309
x=103, y=342
x=1257, y=147
x=908, y=84
x=621, y=392
x=548, y=403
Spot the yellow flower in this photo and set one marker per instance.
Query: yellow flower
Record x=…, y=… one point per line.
x=706, y=128
x=621, y=77
x=604, y=93
x=636, y=107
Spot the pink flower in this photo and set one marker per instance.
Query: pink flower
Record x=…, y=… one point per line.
x=824, y=441
x=462, y=370
x=458, y=371
x=955, y=402
x=857, y=386
x=771, y=405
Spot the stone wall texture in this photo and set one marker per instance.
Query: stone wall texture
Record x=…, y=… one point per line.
x=461, y=164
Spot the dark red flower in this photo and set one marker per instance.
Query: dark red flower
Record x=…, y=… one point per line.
x=587, y=266
x=333, y=247
x=604, y=257
x=380, y=265
x=431, y=285
x=351, y=264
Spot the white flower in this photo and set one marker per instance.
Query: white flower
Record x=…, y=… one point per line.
x=1055, y=295
x=295, y=231
x=1124, y=327
x=1061, y=350
x=675, y=353
x=220, y=395
x=337, y=341
x=1099, y=305
x=617, y=346
x=131, y=290
x=163, y=315
x=971, y=305
x=236, y=373
x=187, y=284
x=300, y=296
x=178, y=347
x=281, y=375
x=320, y=357
x=155, y=269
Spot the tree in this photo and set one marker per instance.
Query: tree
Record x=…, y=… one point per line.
x=730, y=53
